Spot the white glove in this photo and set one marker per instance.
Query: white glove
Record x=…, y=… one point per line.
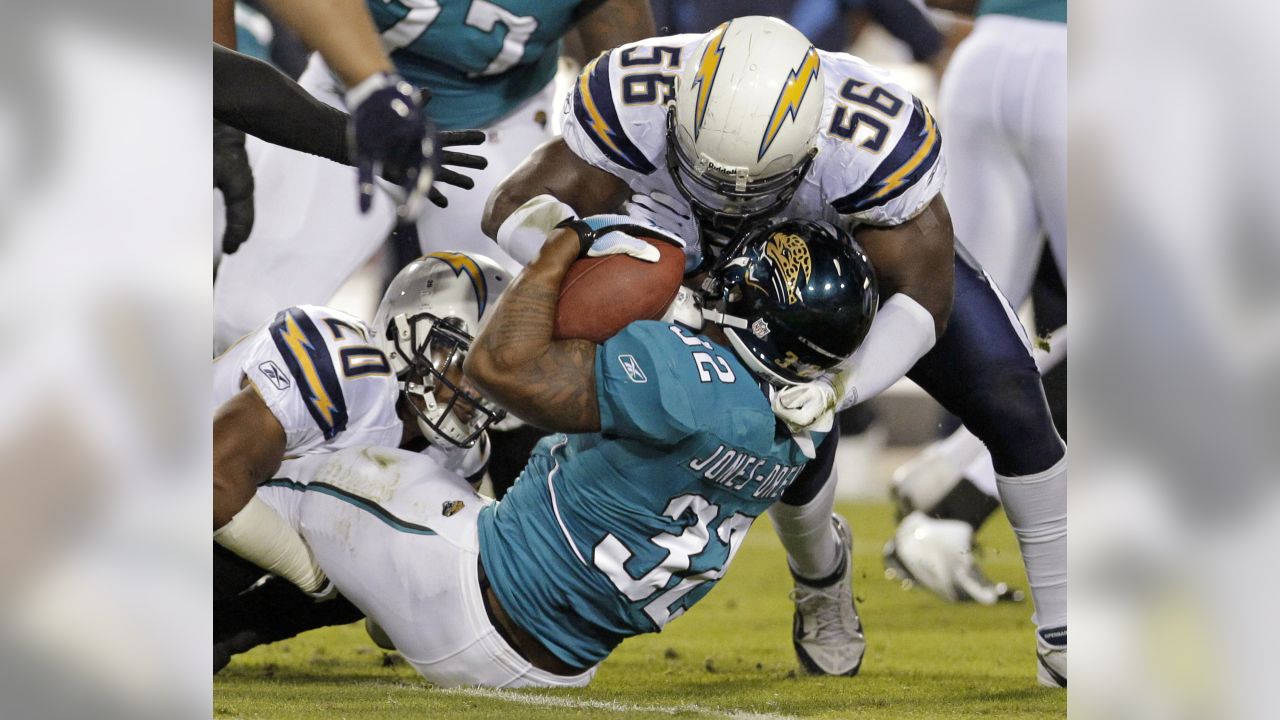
x=808, y=407
x=660, y=210
x=620, y=242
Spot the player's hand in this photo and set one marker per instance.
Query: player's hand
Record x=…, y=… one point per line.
x=454, y=138
x=602, y=235
x=391, y=136
x=660, y=210
x=809, y=406
x=232, y=175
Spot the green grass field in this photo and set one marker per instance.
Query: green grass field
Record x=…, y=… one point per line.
x=730, y=656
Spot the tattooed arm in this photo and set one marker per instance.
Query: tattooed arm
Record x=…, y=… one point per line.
x=515, y=362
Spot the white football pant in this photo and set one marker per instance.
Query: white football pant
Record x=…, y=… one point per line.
x=1003, y=108
x=367, y=528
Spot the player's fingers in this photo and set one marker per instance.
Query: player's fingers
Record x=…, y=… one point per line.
x=447, y=138
x=466, y=160
x=437, y=199
x=239, y=224
x=364, y=181
x=456, y=179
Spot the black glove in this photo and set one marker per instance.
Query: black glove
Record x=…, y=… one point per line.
x=452, y=138
x=232, y=175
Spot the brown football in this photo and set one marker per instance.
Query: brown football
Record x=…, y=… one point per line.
x=600, y=296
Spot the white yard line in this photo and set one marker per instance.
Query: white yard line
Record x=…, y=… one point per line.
x=560, y=701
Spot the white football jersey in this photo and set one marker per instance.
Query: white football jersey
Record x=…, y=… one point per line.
x=879, y=155
x=316, y=371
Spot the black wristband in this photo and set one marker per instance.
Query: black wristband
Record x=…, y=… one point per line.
x=586, y=236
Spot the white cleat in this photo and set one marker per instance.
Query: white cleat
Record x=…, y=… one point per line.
x=938, y=555
x=1051, y=655
x=826, y=631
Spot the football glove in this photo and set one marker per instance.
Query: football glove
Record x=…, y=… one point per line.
x=809, y=406
x=233, y=176
x=601, y=235
x=390, y=135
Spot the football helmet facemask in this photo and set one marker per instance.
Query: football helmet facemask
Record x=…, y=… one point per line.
x=742, y=129
x=425, y=324
x=796, y=299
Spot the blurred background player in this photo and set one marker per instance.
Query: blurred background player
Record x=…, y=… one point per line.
x=315, y=380
x=1003, y=107
x=491, y=64
x=749, y=123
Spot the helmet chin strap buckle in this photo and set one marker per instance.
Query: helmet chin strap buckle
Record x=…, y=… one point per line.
x=720, y=318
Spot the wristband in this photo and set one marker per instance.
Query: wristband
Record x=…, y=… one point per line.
x=586, y=236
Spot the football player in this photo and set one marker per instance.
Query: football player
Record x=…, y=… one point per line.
x=666, y=451
x=314, y=380
x=490, y=64
x=1003, y=100
x=712, y=134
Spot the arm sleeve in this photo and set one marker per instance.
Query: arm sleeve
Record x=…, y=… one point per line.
x=257, y=99
x=637, y=386
x=901, y=334
x=906, y=180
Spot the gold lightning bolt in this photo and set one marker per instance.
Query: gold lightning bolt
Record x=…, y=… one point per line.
x=298, y=345
x=598, y=125
x=793, y=93
x=926, y=147
x=706, y=76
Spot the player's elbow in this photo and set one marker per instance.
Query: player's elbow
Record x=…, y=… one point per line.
x=504, y=200
x=483, y=370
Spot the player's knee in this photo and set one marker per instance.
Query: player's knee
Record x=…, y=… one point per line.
x=1011, y=417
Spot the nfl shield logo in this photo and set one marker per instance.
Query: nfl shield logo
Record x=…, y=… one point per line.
x=760, y=328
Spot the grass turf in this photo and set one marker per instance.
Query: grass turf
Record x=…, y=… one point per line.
x=730, y=656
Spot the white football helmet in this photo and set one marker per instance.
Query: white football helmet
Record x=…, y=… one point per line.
x=743, y=127
x=425, y=324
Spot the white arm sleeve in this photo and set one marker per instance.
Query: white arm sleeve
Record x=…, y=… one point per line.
x=524, y=231
x=900, y=335
x=258, y=534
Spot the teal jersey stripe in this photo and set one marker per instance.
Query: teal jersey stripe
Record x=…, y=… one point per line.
x=1050, y=10
x=351, y=498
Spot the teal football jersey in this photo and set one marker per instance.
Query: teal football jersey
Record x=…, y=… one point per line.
x=611, y=534
x=1050, y=10
x=480, y=58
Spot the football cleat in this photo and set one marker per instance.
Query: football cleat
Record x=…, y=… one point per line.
x=826, y=631
x=1051, y=655
x=938, y=555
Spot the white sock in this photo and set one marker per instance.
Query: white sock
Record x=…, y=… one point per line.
x=806, y=532
x=1037, y=510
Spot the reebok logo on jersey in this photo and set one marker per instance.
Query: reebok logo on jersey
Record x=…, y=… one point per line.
x=275, y=375
x=632, y=368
